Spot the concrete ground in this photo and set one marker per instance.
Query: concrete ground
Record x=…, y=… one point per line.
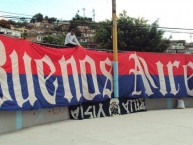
x=163, y=127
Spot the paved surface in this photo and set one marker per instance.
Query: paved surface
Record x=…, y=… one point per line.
x=165, y=127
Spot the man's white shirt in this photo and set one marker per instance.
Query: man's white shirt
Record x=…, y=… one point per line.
x=71, y=39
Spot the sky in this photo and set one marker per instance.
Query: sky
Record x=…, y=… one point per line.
x=170, y=13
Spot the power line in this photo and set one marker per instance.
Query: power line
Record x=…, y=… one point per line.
x=14, y=13
x=7, y=16
x=178, y=32
x=176, y=28
x=16, y=17
x=165, y=29
x=188, y=29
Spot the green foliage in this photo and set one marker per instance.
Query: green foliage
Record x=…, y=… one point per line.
x=57, y=40
x=37, y=18
x=59, y=29
x=46, y=18
x=52, y=20
x=78, y=17
x=78, y=20
x=24, y=35
x=104, y=35
x=5, y=24
x=134, y=34
x=18, y=24
x=12, y=22
x=84, y=44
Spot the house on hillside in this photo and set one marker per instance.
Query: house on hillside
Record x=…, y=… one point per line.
x=87, y=36
x=10, y=32
x=62, y=26
x=177, y=46
x=189, y=48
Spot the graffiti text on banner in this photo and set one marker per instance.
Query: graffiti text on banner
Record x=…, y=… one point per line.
x=107, y=108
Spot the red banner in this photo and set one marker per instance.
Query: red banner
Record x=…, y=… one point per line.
x=34, y=76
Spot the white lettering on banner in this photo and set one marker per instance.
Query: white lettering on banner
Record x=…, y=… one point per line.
x=30, y=82
x=2, y=54
x=171, y=77
x=101, y=111
x=42, y=81
x=129, y=103
x=16, y=79
x=108, y=75
x=63, y=64
x=89, y=113
x=142, y=106
x=138, y=104
x=148, y=81
x=94, y=112
x=186, y=77
x=75, y=113
x=17, y=88
x=85, y=86
x=162, y=81
x=126, y=106
x=3, y=76
x=107, y=108
x=81, y=110
x=146, y=77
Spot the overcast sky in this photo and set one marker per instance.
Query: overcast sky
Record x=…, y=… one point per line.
x=170, y=13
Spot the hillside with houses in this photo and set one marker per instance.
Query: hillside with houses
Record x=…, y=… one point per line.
x=45, y=31
x=96, y=35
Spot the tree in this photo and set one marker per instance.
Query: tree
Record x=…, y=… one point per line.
x=134, y=34
x=46, y=18
x=78, y=20
x=37, y=18
x=103, y=36
x=57, y=40
x=5, y=24
x=11, y=22
x=52, y=20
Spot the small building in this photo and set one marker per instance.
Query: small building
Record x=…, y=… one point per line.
x=63, y=25
x=87, y=36
x=177, y=46
x=189, y=48
x=10, y=32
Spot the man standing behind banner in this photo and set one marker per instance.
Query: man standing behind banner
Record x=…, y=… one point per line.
x=71, y=40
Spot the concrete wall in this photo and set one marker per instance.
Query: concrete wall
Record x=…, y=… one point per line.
x=160, y=103
x=166, y=103
x=15, y=120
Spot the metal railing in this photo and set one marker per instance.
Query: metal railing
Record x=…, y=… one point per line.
x=63, y=46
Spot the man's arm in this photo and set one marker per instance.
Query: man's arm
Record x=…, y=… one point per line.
x=75, y=39
x=68, y=40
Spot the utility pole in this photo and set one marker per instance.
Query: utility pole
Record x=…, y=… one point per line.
x=83, y=12
x=115, y=54
x=93, y=19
